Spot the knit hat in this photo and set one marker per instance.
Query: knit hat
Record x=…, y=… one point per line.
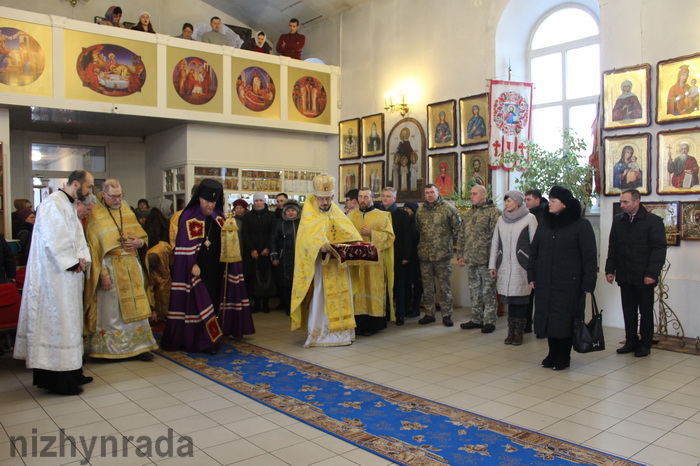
x=563, y=194
x=515, y=195
x=240, y=202
x=23, y=215
x=257, y=196
x=412, y=205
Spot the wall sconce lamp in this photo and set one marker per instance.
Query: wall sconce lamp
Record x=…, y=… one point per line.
x=400, y=106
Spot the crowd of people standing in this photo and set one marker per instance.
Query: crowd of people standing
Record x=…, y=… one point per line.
x=112, y=269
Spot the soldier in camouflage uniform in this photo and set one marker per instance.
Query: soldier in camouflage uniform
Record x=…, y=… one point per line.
x=438, y=224
x=473, y=251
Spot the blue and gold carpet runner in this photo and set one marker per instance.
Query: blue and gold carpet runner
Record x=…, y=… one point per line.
x=403, y=428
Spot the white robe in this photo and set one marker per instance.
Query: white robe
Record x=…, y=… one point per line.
x=50, y=328
x=319, y=333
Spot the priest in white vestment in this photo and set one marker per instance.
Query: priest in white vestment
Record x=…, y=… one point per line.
x=50, y=328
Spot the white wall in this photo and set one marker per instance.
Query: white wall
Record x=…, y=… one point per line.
x=449, y=49
x=6, y=204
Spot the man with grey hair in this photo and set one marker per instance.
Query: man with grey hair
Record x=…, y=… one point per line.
x=116, y=303
x=84, y=207
x=473, y=251
x=684, y=168
x=401, y=223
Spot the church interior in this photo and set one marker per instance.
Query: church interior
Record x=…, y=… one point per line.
x=361, y=58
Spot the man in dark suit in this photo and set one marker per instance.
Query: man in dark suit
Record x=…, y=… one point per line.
x=402, y=249
x=636, y=255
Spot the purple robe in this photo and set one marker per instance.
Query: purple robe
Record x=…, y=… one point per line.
x=195, y=323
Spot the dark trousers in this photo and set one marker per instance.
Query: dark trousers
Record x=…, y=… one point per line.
x=638, y=298
x=399, y=296
x=517, y=311
x=559, y=350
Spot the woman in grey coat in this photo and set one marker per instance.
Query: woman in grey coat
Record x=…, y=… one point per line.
x=510, y=253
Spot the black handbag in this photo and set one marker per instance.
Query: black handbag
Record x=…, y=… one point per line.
x=588, y=337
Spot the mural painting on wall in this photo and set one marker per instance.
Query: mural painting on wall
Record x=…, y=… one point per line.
x=111, y=70
x=195, y=80
x=309, y=96
x=22, y=59
x=255, y=89
x=406, y=167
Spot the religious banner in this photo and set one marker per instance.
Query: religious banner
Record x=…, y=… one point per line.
x=510, y=114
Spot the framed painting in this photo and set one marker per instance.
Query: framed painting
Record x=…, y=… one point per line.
x=373, y=177
x=626, y=102
x=474, y=119
x=406, y=159
x=441, y=124
x=677, y=89
x=373, y=135
x=677, y=161
x=349, y=132
x=348, y=178
x=475, y=170
x=690, y=220
x=669, y=213
x=443, y=173
x=627, y=163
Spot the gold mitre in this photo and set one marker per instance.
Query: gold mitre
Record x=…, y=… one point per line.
x=324, y=186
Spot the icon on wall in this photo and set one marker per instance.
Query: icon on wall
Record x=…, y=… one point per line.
x=309, y=96
x=255, y=89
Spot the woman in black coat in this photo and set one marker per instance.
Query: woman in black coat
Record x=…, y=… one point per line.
x=562, y=268
x=257, y=227
x=282, y=244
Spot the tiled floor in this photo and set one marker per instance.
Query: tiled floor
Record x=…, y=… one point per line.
x=645, y=409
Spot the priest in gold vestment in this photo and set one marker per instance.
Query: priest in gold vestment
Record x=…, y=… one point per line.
x=116, y=302
x=321, y=289
x=371, y=280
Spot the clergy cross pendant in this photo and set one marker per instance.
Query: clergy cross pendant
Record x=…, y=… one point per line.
x=207, y=243
x=121, y=239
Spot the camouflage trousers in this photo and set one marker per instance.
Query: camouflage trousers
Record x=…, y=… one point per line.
x=436, y=274
x=482, y=290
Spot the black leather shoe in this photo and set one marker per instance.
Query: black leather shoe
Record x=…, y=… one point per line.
x=83, y=379
x=427, y=320
x=470, y=325
x=488, y=328
x=145, y=357
x=447, y=321
x=548, y=362
x=642, y=351
x=559, y=366
x=627, y=348
x=399, y=321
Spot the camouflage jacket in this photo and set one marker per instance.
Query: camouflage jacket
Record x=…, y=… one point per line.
x=474, y=243
x=439, y=227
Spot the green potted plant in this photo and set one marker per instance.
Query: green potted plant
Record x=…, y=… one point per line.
x=544, y=169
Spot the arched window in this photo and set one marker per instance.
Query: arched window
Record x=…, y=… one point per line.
x=564, y=65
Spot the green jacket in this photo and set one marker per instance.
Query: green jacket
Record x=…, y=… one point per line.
x=474, y=243
x=439, y=228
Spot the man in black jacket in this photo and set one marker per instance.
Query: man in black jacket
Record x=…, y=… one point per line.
x=402, y=249
x=636, y=254
x=536, y=203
